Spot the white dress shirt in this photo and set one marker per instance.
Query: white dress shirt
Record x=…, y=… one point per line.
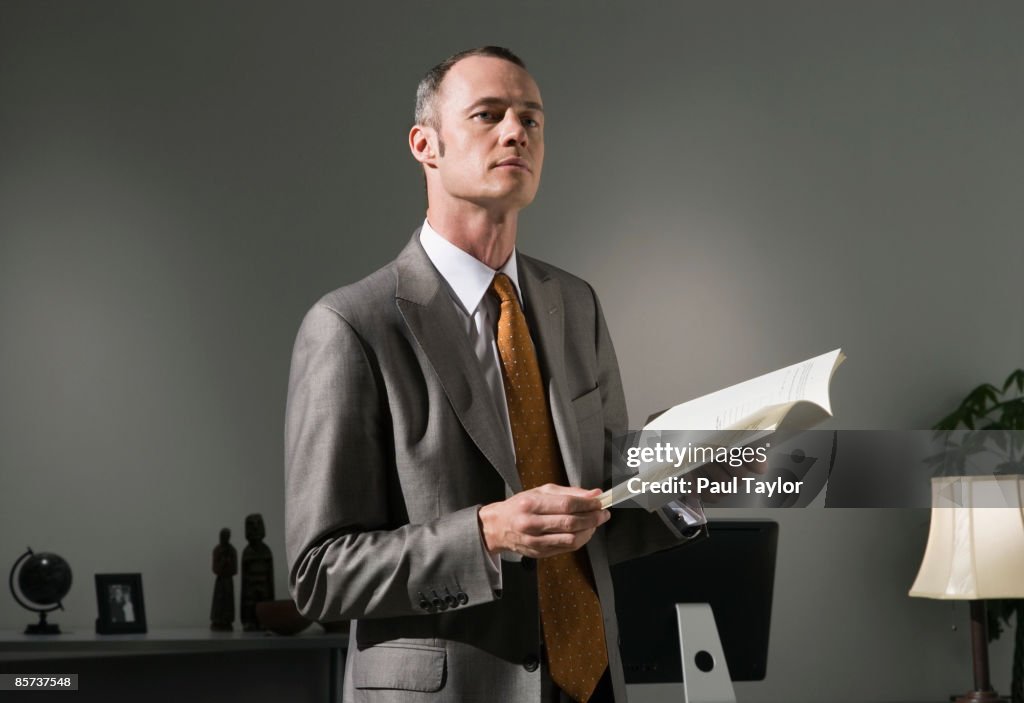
x=470, y=279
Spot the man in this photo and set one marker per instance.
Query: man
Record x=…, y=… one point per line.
x=117, y=611
x=448, y=430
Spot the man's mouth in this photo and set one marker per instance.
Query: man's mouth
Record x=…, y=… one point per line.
x=513, y=162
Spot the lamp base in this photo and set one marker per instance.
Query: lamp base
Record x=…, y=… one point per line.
x=988, y=696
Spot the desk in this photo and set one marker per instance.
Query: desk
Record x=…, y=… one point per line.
x=16, y=646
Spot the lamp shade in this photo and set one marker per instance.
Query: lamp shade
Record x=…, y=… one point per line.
x=976, y=541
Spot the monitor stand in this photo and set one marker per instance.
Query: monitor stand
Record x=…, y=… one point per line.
x=705, y=673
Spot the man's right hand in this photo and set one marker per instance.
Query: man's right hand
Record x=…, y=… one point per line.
x=542, y=521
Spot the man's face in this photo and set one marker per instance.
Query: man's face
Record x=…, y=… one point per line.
x=490, y=147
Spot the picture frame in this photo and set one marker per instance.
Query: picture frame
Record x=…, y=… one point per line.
x=120, y=604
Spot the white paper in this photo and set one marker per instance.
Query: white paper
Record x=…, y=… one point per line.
x=739, y=414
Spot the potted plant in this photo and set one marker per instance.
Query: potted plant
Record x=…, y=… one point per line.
x=993, y=416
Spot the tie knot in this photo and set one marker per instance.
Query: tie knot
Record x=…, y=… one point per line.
x=503, y=287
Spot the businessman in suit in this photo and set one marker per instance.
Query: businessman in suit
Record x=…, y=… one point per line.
x=448, y=430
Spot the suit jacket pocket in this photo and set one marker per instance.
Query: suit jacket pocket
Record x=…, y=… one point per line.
x=405, y=667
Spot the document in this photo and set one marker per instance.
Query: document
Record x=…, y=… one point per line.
x=734, y=417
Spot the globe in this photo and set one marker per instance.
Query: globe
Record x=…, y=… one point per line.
x=43, y=580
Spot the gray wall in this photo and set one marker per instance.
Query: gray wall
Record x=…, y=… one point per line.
x=746, y=184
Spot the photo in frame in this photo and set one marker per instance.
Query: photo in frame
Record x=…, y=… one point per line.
x=120, y=604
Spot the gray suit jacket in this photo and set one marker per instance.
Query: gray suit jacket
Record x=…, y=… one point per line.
x=392, y=443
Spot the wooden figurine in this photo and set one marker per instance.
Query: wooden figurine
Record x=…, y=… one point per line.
x=225, y=565
x=257, y=572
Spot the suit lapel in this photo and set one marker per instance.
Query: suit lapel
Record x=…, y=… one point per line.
x=545, y=312
x=429, y=312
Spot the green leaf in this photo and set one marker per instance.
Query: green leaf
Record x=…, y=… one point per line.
x=1015, y=378
x=982, y=396
x=1012, y=414
x=993, y=411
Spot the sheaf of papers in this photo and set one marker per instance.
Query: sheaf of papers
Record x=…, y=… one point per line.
x=739, y=414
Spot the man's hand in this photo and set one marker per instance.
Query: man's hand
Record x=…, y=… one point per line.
x=542, y=521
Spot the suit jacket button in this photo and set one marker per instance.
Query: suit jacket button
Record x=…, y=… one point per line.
x=530, y=663
x=462, y=597
x=528, y=563
x=438, y=603
x=451, y=601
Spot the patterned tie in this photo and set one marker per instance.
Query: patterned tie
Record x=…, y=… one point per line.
x=570, y=611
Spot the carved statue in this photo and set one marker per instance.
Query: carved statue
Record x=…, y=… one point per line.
x=225, y=565
x=257, y=572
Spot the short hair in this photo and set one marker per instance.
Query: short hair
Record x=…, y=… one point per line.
x=426, y=91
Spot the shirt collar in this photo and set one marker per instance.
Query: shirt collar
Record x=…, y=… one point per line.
x=467, y=276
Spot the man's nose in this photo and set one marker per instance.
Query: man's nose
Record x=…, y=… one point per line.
x=513, y=133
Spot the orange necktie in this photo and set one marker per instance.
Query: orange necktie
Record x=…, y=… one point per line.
x=570, y=610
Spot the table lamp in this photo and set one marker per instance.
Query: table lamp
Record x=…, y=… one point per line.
x=975, y=551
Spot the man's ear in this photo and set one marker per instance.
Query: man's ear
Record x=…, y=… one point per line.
x=423, y=144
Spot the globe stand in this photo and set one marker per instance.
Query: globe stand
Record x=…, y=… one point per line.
x=42, y=627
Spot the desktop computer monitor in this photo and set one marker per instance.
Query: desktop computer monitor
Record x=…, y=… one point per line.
x=733, y=570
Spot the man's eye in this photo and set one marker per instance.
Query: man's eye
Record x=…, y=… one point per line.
x=485, y=115
x=530, y=122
